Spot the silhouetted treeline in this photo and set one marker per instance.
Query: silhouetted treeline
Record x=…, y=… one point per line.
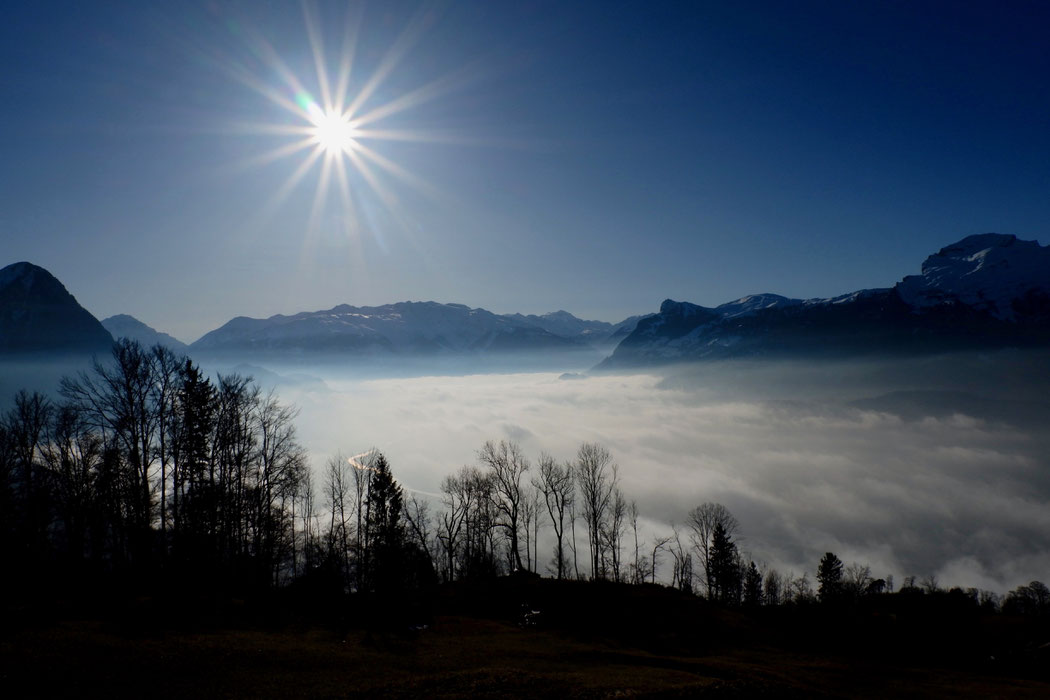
x=145, y=467
x=145, y=464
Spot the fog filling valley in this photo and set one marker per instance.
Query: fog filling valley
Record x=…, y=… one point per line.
x=936, y=466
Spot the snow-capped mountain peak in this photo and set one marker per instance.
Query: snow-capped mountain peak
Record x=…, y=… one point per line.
x=989, y=272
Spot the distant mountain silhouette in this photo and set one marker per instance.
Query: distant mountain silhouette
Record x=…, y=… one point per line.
x=125, y=326
x=38, y=315
x=986, y=291
x=564, y=324
x=405, y=329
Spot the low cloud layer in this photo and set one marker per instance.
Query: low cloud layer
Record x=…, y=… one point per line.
x=906, y=483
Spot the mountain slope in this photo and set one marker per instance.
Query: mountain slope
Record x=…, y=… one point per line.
x=125, y=326
x=986, y=291
x=38, y=315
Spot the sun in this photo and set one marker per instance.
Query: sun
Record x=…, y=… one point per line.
x=333, y=131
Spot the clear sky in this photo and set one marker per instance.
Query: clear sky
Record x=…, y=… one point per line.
x=592, y=157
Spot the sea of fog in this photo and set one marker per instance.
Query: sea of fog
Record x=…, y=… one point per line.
x=938, y=466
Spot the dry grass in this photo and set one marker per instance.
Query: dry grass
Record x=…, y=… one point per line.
x=458, y=656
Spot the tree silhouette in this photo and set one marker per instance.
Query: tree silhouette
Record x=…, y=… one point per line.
x=507, y=466
x=26, y=428
x=558, y=487
x=702, y=521
x=752, y=586
x=384, y=530
x=724, y=569
x=829, y=578
x=597, y=478
x=773, y=587
x=191, y=442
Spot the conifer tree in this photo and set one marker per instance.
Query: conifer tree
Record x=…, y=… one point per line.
x=829, y=577
x=725, y=571
x=752, y=586
x=384, y=530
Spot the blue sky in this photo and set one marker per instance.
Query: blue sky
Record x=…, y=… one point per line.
x=592, y=157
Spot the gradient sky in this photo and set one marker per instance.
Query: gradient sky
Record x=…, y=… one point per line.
x=592, y=157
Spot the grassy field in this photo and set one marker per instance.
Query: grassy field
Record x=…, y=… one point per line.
x=658, y=648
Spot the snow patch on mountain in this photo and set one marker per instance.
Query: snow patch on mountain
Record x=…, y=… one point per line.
x=754, y=303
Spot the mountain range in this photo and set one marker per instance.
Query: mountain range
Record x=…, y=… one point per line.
x=986, y=291
x=405, y=328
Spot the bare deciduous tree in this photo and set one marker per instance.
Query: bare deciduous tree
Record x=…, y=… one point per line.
x=166, y=370
x=556, y=484
x=417, y=514
x=659, y=544
x=682, y=574
x=596, y=475
x=507, y=466
x=119, y=399
x=341, y=504
x=304, y=508
x=856, y=580
x=773, y=587
x=637, y=574
x=456, y=496
x=613, y=532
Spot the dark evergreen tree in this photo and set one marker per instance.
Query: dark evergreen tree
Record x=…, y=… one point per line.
x=829, y=578
x=724, y=567
x=384, y=530
x=398, y=574
x=752, y=586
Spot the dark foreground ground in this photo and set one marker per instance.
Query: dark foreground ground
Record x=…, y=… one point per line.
x=653, y=644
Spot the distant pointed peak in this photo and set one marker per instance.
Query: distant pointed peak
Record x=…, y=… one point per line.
x=122, y=318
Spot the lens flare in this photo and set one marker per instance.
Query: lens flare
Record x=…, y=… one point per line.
x=333, y=130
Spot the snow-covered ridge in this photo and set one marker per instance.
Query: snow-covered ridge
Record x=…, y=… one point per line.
x=988, y=272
